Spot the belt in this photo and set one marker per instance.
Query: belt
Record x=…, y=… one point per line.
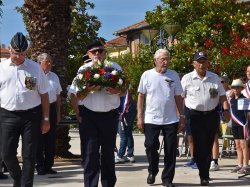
x=202, y=112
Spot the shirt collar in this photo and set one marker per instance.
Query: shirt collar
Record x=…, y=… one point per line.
x=195, y=75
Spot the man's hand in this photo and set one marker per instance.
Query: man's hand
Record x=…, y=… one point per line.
x=181, y=125
x=140, y=123
x=112, y=90
x=45, y=126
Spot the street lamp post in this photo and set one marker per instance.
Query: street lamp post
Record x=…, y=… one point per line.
x=162, y=42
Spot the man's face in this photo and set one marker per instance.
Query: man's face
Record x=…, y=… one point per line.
x=97, y=53
x=17, y=57
x=162, y=62
x=201, y=66
x=46, y=65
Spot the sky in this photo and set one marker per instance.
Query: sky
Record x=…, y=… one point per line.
x=113, y=14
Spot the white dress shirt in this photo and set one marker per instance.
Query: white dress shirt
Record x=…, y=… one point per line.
x=196, y=91
x=98, y=101
x=55, y=86
x=14, y=93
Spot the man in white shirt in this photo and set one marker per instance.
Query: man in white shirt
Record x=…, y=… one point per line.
x=24, y=109
x=203, y=91
x=47, y=142
x=98, y=109
x=161, y=88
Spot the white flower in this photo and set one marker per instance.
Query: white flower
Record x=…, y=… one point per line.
x=84, y=87
x=96, y=76
x=120, y=82
x=99, y=62
x=108, y=64
x=114, y=72
x=80, y=76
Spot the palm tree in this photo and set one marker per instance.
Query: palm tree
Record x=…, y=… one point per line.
x=48, y=23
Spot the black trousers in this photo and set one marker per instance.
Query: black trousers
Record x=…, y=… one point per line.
x=26, y=124
x=99, y=132
x=203, y=129
x=47, y=142
x=152, y=146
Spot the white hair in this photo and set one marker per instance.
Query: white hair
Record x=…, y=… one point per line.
x=160, y=51
x=44, y=56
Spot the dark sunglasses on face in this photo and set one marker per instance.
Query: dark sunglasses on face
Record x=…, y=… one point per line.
x=222, y=82
x=97, y=50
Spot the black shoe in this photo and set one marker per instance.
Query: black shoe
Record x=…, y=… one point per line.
x=151, y=178
x=204, y=182
x=168, y=184
x=3, y=176
x=40, y=171
x=5, y=169
x=50, y=171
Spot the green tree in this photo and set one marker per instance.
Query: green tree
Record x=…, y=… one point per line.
x=1, y=4
x=84, y=29
x=207, y=25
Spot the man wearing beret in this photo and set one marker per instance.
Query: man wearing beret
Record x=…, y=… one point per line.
x=203, y=91
x=98, y=110
x=24, y=110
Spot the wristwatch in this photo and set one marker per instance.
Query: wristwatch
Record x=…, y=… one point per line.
x=46, y=119
x=182, y=116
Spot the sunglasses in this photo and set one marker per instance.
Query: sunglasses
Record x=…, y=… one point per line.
x=97, y=50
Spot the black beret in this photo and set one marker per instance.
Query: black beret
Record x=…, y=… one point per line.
x=94, y=44
x=19, y=42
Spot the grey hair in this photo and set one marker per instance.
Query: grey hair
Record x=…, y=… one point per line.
x=160, y=51
x=44, y=56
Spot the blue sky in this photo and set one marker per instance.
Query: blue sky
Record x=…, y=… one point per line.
x=113, y=14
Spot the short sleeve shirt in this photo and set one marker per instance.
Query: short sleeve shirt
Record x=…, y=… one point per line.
x=55, y=86
x=197, y=91
x=160, y=91
x=21, y=86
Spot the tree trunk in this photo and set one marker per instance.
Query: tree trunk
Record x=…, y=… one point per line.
x=48, y=26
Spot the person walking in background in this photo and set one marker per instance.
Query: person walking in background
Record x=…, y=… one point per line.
x=47, y=142
x=127, y=111
x=202, y=92
x=161, y=88
x=24, y=110
x=99, y=114
x=240, y=119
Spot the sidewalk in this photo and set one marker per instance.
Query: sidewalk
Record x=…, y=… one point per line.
x=134, y=175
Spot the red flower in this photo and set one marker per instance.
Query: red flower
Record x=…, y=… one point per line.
x=101, y=71
x=208, y=43
x=218, y=25
x=114, y=78
x=225, y=51
x=87, y=75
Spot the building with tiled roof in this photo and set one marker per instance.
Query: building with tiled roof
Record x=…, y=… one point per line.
x=4, y=54
x=117, y=46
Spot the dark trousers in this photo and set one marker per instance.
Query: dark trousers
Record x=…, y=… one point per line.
x=99, y=131
x=47, y=142
x=203, y=129
x=152, y=145
x=26, y=124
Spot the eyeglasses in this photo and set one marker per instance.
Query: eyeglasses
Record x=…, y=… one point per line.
x=97, y=50
x=222, y=82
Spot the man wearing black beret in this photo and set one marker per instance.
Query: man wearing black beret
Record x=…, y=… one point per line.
x=98, y=110
x=24, y=110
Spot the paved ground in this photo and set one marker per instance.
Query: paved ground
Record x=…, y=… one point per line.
x=134, y=175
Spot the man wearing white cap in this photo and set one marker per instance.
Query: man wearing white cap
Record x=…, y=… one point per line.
x=24, y=110
x=203, y=91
